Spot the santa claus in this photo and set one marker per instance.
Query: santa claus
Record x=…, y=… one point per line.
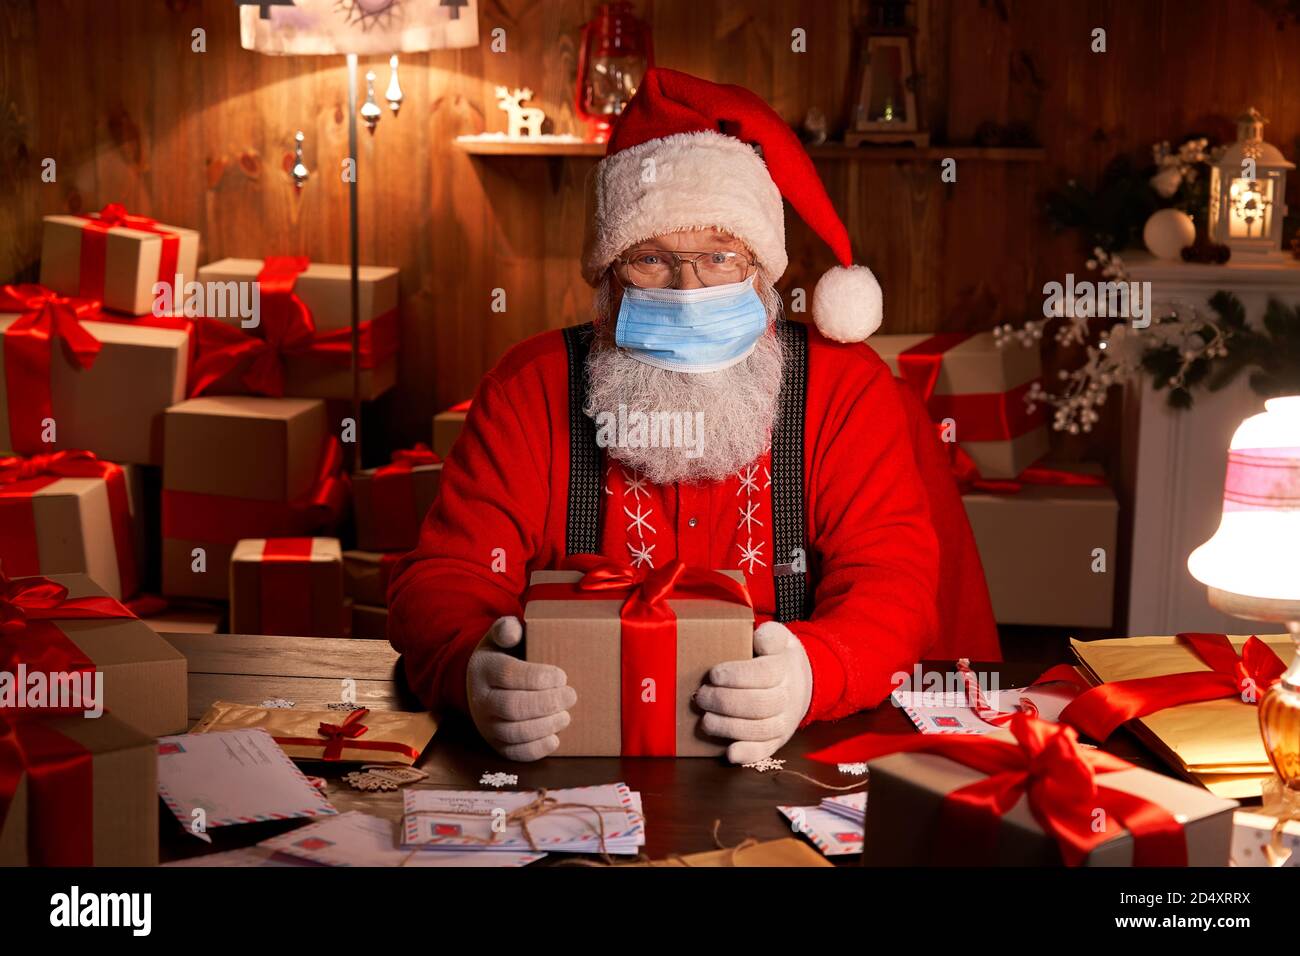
x=689, y=421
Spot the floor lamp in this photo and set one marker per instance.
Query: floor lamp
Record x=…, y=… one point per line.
x=356, y=28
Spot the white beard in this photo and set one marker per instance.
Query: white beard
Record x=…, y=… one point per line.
x=726, y=417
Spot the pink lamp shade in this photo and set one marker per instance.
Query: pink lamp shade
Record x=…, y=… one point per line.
x=1256, y=551
x=364, y=27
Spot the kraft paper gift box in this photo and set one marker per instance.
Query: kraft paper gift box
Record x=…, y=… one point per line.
x=583, y=638
x=369, y=622
x=385, y=736
x=57, y=522
x=981, y=388
x=291, y=586
x=390, y=502
x=1039, y=551
x=907, y=790
x=144, y=678
x=325, y=289
x=446, y=428
x=366, y=575
x=115, y=407
x=112, y=817
x=236, y=467
x=188, y=618
x=1215, y=742
x=119, y=267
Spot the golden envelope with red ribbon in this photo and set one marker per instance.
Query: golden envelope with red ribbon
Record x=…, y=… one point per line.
x=1214, y=740
x=116, y=257
x=636, y=644
x=358, y=736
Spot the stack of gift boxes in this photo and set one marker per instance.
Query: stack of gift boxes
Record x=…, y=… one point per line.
x=1046, y=534
x=170, y=456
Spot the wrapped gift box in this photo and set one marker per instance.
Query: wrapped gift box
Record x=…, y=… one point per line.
x=1215, y=742
x=446, y=428
x=907, y=790
x=240, y=467
x=115, y=407
x=56, y=522
x=584, y=638
x=321, y=369
x=366, y=575
x=369, y=621
x=189, y=617
x=1253, y=836
x=291, y=586
x=1037, y=547
x=118, y=266
x=390, y=502
x=144, y=677
x=60, y=815
x=982, y=389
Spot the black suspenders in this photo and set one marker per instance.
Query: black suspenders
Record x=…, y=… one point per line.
x=790, y=572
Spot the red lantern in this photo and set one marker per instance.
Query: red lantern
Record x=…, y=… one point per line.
x=614, y=52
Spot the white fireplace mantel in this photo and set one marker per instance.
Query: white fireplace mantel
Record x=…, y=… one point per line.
x=1175, y=459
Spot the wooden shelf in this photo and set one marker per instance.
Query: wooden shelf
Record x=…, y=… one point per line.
x=501, y=147
x=828, y=151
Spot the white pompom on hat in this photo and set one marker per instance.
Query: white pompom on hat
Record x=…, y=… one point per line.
x=682, y=156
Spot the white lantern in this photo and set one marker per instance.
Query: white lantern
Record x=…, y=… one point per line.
x=1248, y=191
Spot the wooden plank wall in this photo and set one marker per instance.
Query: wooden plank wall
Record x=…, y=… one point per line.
x=113, y=92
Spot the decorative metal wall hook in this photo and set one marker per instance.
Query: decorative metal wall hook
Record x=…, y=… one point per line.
x=371, y=114
x=300, y=172
x=394, y=92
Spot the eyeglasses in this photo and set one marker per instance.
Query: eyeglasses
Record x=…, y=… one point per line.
x=660, y=269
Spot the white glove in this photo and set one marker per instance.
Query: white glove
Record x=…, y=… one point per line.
x=758, y=703
x=518, y=707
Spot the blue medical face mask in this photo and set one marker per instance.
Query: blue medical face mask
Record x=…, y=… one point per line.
x=691, y=330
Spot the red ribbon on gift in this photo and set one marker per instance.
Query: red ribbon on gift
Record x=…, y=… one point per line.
x=45, y=318
x=648, y=647
x=27, y=636
x=337, y=736
x=60, y=803
x=1046, y=766
x=286, y=329
x=224, y=519
x=1099, y=710
x=392, y=498
x=60, y=791
x=285, y=602
x=21, y=478
x=993, y=416
x=94, y=247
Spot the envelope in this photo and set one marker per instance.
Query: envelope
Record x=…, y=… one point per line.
x=1214, y=738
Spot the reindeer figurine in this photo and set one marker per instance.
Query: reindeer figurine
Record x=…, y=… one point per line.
x=521, y=118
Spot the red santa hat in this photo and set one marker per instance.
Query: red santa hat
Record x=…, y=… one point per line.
x=683, y=156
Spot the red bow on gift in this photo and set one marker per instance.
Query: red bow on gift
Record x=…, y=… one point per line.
x=28, y=345
x=1099, y=710
x=21, y=478
x=648, y=647
x=404, y=459
x=286, y=326
x=114, y=215
x=1045, y=766
x=27, y=606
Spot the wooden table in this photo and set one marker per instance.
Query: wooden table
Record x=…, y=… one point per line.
x=681, y=798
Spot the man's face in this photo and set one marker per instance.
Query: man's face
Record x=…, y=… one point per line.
x=685, y=243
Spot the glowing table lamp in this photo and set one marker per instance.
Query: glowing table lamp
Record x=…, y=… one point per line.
x=351, y=28
x=1251, y=566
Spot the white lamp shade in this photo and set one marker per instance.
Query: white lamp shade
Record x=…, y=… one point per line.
x=1256, y=551
x=364, y=27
